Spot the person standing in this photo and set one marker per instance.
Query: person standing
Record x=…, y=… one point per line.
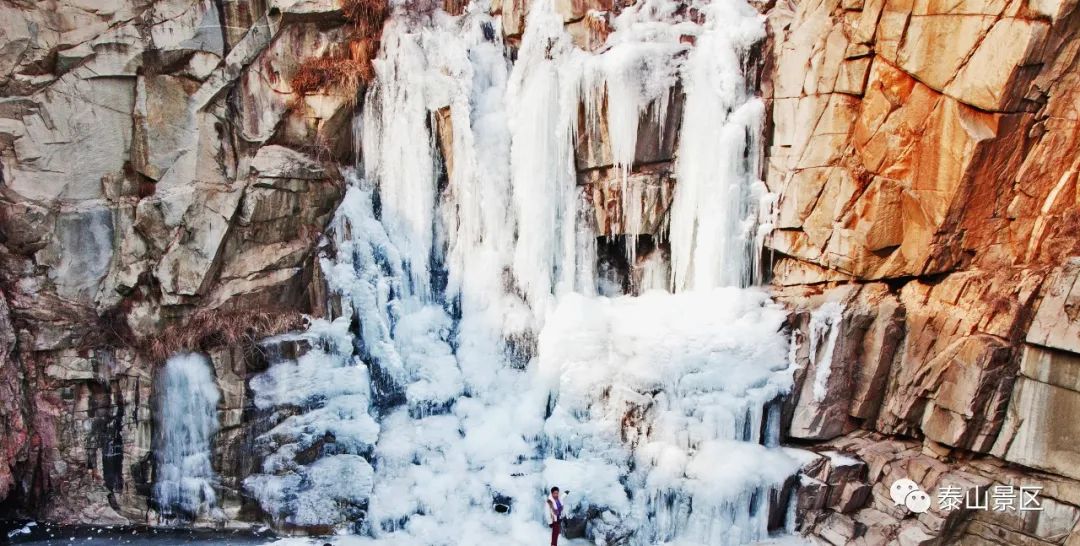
x=555, y=513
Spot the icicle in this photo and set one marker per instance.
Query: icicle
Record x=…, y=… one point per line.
x=187, y=421
x=655, y=272
x=544, y=89
x=712, y=221
x=398, y=152
x=767, y=215
x=824, y=331
x=585, y=247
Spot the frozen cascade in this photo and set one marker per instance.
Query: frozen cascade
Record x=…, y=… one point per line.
x=653, y=393
x=714, y=215
x=824, y=331
x=187, y=421
x=544, y=88
x=467, y=357
x=397, y=148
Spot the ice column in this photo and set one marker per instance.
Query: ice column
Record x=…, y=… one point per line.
x=713, y=216
x=397, y=151
x=186, y=424
x=544, y=90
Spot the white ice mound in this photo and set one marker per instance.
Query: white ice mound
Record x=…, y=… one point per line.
x=662, y=408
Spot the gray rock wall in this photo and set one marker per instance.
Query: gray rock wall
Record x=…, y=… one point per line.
x=155, y=165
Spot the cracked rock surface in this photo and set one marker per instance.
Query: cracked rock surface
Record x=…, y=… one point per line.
x=159, y=175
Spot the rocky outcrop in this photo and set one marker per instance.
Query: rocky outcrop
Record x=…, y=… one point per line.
x=165, y=162
x=1039, y=430
x=867, y=459
x=925, y=159
x=166, y=171
x=899, y=149
x=157, y=165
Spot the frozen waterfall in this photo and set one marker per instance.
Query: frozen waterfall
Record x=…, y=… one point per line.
x=187, y=422
x=468, y=360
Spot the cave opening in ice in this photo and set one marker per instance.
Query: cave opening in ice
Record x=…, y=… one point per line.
x=475, y=355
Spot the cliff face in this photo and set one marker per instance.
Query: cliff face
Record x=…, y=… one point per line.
x=925, y=155
x=163, y=187
x=168, y=168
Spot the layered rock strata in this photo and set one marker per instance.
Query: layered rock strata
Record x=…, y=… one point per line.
x=925, y=158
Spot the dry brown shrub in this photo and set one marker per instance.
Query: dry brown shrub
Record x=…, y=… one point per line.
x=367, y=15
x=316, y=75
x=365, y=48
x=341, y=73
x=215, y=328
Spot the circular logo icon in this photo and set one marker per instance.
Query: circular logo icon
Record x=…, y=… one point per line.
x=901, y=488
x=917, y=501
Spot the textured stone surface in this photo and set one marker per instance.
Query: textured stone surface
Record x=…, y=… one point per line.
x=138, y=191
x=879, y=521
x=630, y=203
x=1041, y=429
x=933, y=147
x=959, y=142
x=1055, y=324
x=157, y=163
x=866, y=348
x=656, y=138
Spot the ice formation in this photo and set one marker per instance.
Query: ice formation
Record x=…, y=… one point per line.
x=671, y=392
x=713, y=217
x=824, y=331
x=187, y=420
x=469, y=361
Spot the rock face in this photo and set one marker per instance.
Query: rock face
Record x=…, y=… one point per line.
x=156, y=166
x=1040, y=429
x=899, y=149
x=164, y=183
x=925, y=158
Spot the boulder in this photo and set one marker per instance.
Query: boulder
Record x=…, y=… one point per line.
x=165, y=125
x=1056, y=324
x=957, y=367
x=79, y=252
x=283, y=211
x=265, y=92
x=192, y=258
x=67, y=139
x=912, y=534
x=1004, y=61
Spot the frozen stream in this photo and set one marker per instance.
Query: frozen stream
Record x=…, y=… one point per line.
x=469, y=361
